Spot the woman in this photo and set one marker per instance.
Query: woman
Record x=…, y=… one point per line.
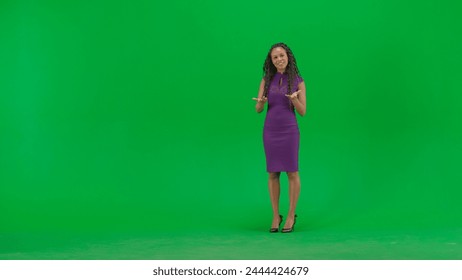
x=284, y=90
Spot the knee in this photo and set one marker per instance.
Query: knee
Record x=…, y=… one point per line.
x=274, y=175
x=292, y=175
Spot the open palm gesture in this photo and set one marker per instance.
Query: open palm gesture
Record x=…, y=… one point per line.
x=261, y=100
x=294, y=95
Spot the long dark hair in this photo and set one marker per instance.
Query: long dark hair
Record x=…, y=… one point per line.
x=269, y=70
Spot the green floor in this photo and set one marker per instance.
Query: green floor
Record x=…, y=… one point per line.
x=238, y=241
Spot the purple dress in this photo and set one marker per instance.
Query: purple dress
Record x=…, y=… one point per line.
x=280, y=132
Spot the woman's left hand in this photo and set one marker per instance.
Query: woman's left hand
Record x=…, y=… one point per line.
x=293, y=95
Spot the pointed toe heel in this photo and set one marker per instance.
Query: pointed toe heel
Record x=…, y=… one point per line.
x=291, y=229
x=273, y=230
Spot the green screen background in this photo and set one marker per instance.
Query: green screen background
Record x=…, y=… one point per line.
x=136, y=118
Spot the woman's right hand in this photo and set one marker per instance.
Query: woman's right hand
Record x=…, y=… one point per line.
x=261, y=100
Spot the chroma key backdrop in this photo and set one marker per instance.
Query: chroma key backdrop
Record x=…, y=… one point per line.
x=128, y=129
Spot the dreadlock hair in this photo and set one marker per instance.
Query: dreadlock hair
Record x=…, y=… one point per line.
x=269, y=70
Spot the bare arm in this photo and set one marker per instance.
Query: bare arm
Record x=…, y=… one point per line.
x=261, y=100
x=298, y=99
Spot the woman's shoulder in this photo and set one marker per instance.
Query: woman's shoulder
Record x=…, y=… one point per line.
x=298, y=79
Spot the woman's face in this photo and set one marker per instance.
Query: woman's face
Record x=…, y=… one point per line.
x=279, y=58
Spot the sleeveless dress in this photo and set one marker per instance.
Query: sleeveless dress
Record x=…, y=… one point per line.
x=281, y=135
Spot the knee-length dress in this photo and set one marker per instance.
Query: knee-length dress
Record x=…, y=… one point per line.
x=281, y=135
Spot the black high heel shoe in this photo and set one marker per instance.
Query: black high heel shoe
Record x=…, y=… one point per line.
x=287, y=230
x=273, y=230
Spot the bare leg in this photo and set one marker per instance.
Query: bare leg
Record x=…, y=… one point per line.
x=294, y=192
x=274, y=190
